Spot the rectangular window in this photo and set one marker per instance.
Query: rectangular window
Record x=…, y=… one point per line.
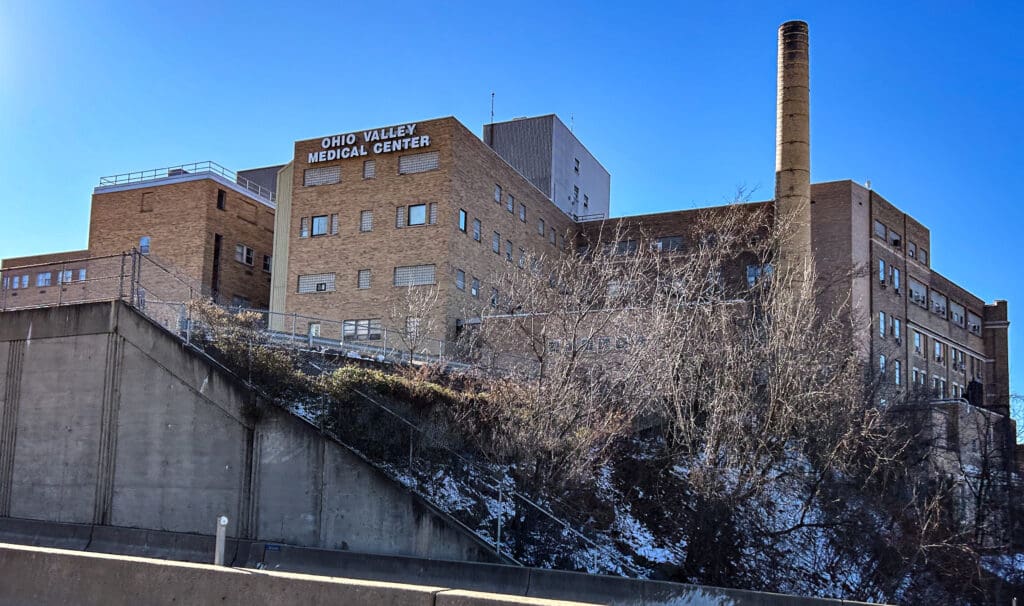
x=552, y=236
x=474, y=288
x=64, y=277
x=144, y=245
x=586, y=201
x=239, y=301
x=268, y=261
x=911, y=249
x=626, y=247
x=922, y=256
x=880, y=230
x=974, y=323
x=575, y=194
x=522, y=258
x=313, y=330
x=881, y=324
x=476, y=229
x=320, y=225
x=43, y=279
x=366, y=221
x=304, y=227
x=496, y=243
x=81, y=275
x=918, y=293
x=243, y=254
x=494, y=297
x=522, y=213
x=577, y=165
x=669, y=243
x=433, y=213
x=918, y=343
x=939, y=352
x=361, y=330
x=540, y=227
x=897, y=369
x=316, y=283
x=897, y=329
x=418, y=163
x=334, y=224
x=417, y=214
x=462, y=220
x=222, y=197
x=895, y=239
x=896, y=279
x=369, y=169
x=881, y=272
x=957, y=313
x=497, y=193
x=324, y=175
x=414, y=275
x=938, y=304
x=508, y=250
x=881, y=365
x=510, y=203
x=363, y=279
x=24, y=281
x=460, y=279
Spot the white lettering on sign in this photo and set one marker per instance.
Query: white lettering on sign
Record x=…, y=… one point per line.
x=383, y=140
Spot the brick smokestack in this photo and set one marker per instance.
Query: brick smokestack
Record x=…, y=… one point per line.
x=793, y=142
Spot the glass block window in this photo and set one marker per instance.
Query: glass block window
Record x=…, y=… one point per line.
x=476, y=229
x=366, y=220
x=414, y=275
x=433, y=213
x=363, y=279
x=334, y=224
x=324, y=175
x=316, y=283
x=496, y=243
x=369, y=169
x=361, y=330
x=400, y=216
x=460, y=279
x=418, y=163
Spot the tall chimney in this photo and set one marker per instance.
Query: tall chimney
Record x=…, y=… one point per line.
x=793, y=144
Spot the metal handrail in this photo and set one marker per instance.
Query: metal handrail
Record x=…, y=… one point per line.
x=193, y=168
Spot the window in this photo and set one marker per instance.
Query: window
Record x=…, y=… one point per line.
x=474, y=288
x=417, y=163
x=81, y=275
x=957, y=314
x=922, y=256
x=325, y=175
x=313, y=330
x=417, y=214
x=320, y=225
x=626, y=247
x=412, y=327
x=144, y=245
x=334, y=224
x=221, y=199
x=361, y=330
x=363, y=279
x=911, y=250
x=897, y=329
x=552, y=237
x=510, y=203
x=540, y=227
x=369, y=169
x=940, y=349
x=880, y=230
x=414, y=275
x=576, y=168
x=462, y=220
x=24, y=281
x=460, y=279
x=522, y=213
x=918, y=293
x=476, y=229
x=64, y=276
x=494, y=297
x=239, y=301
x=918, y=343
x=881, y=365
x=496, y=243
x=881, y=324
x=43, y=279
x=243, y=254
x=881, y=272
x=897, y=372
x=669, y=243
x=268, y=262
x=497, y=193
x=586, y=201
x=896, y=279
x=575, y=195
x=366, y=221
x=974, y=323
x=938, y=304
x=522, y=258
x=304, y=227
x=316, y=283
x=895, y=239
x=508, y=250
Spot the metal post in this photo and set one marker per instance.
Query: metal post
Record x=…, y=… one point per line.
x=293, y=329
x=385, y=331
x=120, y=282
x=222, y=531
x=60, y=285
x=501, y=485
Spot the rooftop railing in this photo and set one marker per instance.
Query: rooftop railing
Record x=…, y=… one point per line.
x=195, y=168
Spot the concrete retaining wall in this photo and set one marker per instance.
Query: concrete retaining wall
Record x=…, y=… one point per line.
x=44, y=577
x=105, y=419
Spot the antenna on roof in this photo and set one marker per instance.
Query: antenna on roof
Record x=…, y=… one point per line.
x=492, y=107
x=572, y=122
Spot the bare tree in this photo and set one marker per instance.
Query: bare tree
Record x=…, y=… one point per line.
x=422, y=329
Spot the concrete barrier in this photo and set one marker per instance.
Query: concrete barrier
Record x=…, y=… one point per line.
x=44, y=577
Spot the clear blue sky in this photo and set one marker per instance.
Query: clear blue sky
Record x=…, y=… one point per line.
x=676, y=100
